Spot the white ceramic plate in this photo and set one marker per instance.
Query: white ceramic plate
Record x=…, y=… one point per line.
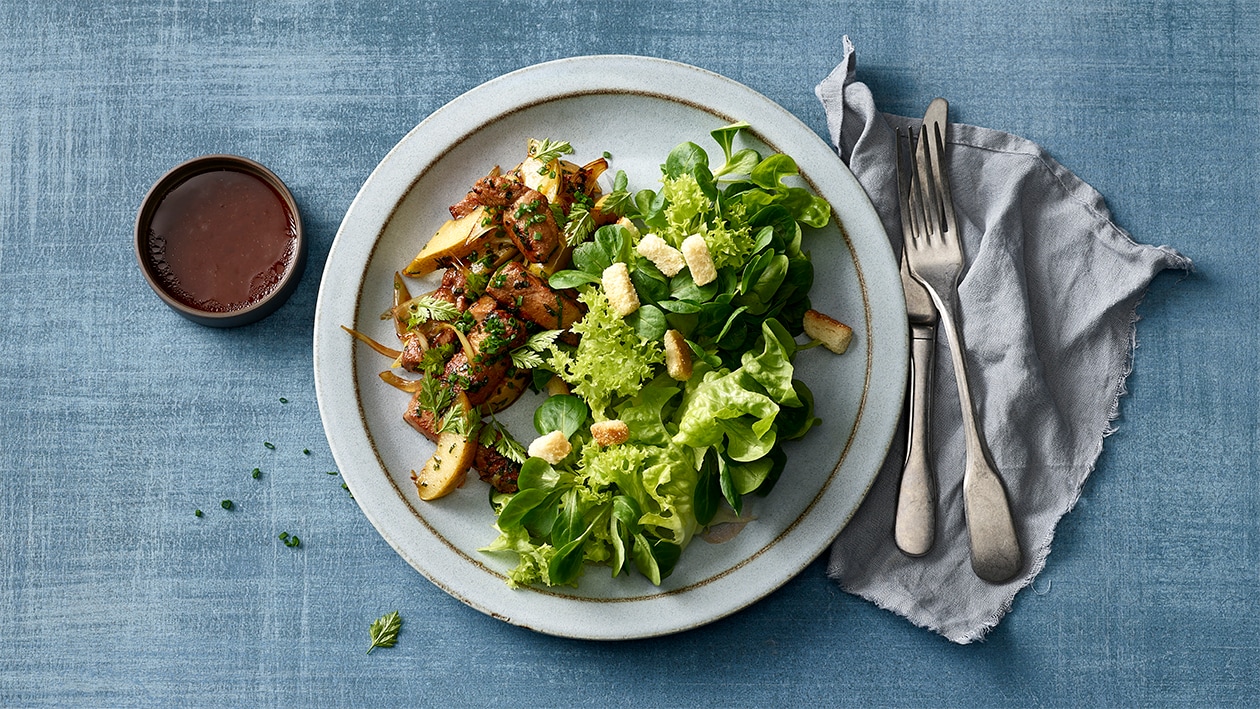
x=637, y=109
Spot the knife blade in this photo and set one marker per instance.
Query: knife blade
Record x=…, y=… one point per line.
x=914, y=528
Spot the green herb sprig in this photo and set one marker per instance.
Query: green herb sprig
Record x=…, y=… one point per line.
x=546, y=150
x=384, y=631
x=529, y=355
x=427, y=308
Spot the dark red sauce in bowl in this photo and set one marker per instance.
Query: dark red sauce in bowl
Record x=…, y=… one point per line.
x=219, y=239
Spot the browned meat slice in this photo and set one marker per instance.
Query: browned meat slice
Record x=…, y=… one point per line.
x=483, y=189
x=526, y=214
x=478, y=379
x=412, y=352
x=497, y=333
x=421, y=419
x=482, y=307
x=492, y=466
x=454, y=288
x=529, y=296
x=497, y=469
x=532, y=227
x=465, y=206
x=495, y=191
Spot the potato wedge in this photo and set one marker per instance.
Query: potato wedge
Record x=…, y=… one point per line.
x=561, y=259
x=543, y=177
x=456, y=239
x=456, y=448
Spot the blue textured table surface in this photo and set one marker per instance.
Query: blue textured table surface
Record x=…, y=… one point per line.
x=120, y=419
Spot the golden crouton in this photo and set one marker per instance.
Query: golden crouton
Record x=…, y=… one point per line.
x=833, y=334
x=677, y=356
x=696, y=253
x=619, y=289
x=666, y=258
x=552, y=447
x=610, y=433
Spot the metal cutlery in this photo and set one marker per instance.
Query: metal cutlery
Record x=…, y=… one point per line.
x=935, y=259
x=914, y=529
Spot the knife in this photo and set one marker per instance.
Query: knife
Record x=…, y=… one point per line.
x=915, y=526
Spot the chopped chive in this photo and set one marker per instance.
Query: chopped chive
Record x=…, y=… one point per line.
x=226, y=504
x=607, y=155
x=284, y=536
x=270, y=446
x=331, y=472
x=283, y=400
x=306, y=451
x=293, y=542
x=197, y=513
x=256, y=473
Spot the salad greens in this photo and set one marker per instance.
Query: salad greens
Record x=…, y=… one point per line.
x=693, y=445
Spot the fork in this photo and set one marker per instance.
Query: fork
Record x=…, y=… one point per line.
x=934, y=253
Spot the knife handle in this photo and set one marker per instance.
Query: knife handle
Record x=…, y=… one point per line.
x=915, y=527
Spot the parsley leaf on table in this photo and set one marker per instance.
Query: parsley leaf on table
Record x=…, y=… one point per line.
x=384, y=631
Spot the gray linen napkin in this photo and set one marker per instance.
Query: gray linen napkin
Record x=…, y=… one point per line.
x=1048, y=299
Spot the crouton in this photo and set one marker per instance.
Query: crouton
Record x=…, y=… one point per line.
x=610, y=433
x=629, y=226
x=833, y=334
x=666, y=258
x=552, y=447
x=677, y=356
x=696, y=253
x=620, y=290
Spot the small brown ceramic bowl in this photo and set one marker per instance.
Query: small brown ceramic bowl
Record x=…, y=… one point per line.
x=219, y=239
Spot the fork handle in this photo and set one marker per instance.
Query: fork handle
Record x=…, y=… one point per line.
x=915, y=525
x=995, y=552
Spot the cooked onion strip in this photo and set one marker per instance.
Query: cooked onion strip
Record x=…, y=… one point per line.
x=401, y=295
x=469, y=352
x=382, y=349
x=410, y=386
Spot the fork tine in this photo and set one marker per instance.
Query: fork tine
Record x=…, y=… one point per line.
x=929, y=201
x=945, y=224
